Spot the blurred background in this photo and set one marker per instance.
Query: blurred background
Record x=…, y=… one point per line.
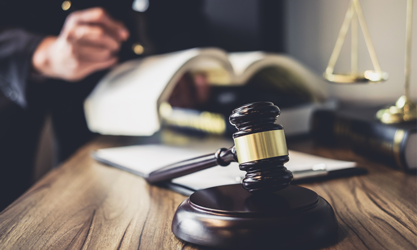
x=311, y=30
x=306, y=30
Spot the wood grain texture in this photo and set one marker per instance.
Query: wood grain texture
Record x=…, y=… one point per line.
x=86, y=205
x=374, y=211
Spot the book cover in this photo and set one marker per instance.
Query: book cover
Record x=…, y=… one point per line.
x=358, y=128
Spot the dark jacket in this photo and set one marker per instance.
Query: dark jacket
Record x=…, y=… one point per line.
x=24, y=102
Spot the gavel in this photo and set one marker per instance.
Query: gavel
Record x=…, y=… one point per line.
x=260, y=149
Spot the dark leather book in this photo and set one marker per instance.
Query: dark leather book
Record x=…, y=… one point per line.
x=358, y=129
x=191, y=121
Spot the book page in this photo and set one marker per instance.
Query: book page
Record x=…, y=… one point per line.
x=242, y=60
x=126, y=101
x=246, y=64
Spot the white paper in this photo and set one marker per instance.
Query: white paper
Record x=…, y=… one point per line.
x=144, y=159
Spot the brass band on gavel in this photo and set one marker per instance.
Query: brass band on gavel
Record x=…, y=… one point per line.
x=260, y=146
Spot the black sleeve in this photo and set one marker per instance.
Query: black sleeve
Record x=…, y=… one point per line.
x=177, y=25
x=16, y=50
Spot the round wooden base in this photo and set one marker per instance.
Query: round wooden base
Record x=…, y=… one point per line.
x=232, y=218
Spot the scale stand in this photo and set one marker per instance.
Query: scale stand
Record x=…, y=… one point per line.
x=369, y=76
x=405, y=109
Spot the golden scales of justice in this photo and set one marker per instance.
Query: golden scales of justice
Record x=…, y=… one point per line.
x=404, y=109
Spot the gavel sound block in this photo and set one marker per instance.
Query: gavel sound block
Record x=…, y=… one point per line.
x=265, y=211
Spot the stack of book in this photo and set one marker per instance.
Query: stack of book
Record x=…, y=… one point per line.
x=358, y=128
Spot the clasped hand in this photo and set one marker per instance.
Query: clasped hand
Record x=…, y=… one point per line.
x=88, y=42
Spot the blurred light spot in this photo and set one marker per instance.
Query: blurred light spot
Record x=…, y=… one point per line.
x=138, y=49
x=165, y=109
x=227, y=97
x=140, y=5
x=66, y=5
x=238, y=179
x=319, y=166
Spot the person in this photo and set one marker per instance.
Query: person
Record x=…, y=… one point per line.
x=52, y=55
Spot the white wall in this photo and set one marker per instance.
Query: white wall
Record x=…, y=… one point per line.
x=312, y=30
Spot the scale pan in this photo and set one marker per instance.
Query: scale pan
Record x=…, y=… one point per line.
x=367, y=77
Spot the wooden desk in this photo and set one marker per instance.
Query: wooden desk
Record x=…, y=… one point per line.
x=84, y=204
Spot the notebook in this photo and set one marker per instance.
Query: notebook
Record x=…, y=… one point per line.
x=143, y=159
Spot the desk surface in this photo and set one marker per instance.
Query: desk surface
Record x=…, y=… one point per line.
x=84, y=204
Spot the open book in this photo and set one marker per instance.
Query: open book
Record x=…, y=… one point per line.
x=128, y=100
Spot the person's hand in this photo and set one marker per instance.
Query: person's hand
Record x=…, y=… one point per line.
x=88, y=42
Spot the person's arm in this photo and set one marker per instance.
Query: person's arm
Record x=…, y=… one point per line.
x=88, y=42
x=16, y=50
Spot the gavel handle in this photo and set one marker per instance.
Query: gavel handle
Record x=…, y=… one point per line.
x=222, y=157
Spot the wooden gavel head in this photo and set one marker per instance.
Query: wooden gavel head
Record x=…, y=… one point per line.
x=260, y=147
